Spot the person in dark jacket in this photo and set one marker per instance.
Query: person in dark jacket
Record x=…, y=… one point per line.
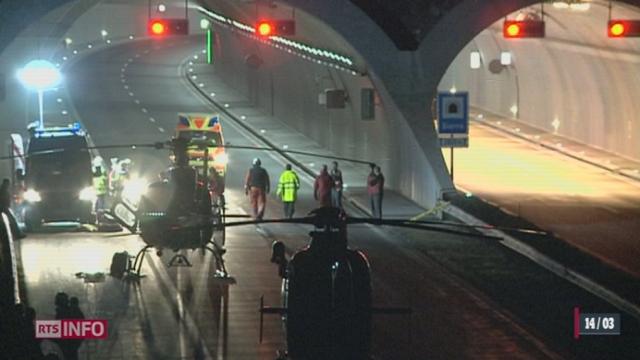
x=5, y=207
x=375, y=188
x=71, y=347
x=257, y=186
x=322, y=188
x=336, y=190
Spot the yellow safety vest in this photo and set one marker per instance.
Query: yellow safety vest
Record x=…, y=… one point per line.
x=100, y=184
x=288, y=186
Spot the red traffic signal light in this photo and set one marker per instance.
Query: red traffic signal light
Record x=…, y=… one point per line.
x=514, y=29
x=157, y=27
x=162, y=27
x=268, y=28
x=624, y=28
x=265, y=28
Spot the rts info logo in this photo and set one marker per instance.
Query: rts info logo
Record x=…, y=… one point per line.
x=71, y=329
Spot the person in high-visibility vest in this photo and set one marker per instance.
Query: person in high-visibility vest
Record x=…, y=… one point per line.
x=101, y=188
x=288, y=190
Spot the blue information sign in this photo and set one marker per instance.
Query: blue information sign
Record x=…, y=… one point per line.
x=453, y=113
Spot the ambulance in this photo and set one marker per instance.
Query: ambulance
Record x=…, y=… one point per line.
x=203, y=130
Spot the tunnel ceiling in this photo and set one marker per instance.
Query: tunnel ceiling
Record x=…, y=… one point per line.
x=406, y=22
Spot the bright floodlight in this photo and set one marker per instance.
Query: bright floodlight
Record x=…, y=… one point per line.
x=40, y=75
x=162, y=8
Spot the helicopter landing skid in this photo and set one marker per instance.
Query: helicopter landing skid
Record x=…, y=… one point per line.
x=221, y=270
x=133, y=270
x=179, y=260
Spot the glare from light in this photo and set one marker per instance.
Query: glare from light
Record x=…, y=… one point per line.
x=204, y=24
x=88, y=194
x=133, y=189
x=68, y=41
x=474, y=60
x=162, y=8
x=580, y=6
x=560, y=5
x=506, y=58
x=32, y=196
x=104, y=33
x=40, y=75
x=221, y=159
x=453, y=90
x=514, y=110
x=556, y=124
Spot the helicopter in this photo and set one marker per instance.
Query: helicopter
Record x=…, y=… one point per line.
x=326, y=286
x=175, y=213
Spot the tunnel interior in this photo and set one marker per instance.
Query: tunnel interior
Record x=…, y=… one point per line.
x=576, y=82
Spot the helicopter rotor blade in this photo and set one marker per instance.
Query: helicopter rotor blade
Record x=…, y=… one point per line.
x=459, y=225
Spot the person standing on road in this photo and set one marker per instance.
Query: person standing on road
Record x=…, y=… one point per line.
x=322, y=188
x=5, y=207
x=288, y=186
x=101, y=187
x=336, y=189
x=257, y=186
x=375, y=188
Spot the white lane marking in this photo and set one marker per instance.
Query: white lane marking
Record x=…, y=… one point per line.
x=123, y=80
x=152, y=119
x=136, y=101
x=129, y=60
x=188, y=322
x=161, y=129
x=126, y=86
x=123, y=69
x=144, y=110
x=182, y=315
x=137, y=55
x=130, y=94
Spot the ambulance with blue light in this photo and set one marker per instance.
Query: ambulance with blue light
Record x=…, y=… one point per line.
x=58, y=177
x=203, y=130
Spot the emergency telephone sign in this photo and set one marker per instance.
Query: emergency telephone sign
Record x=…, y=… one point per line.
x=453, y=113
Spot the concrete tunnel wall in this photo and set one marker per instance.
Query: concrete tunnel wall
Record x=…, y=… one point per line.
x=289, y=87
x=577, y=75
